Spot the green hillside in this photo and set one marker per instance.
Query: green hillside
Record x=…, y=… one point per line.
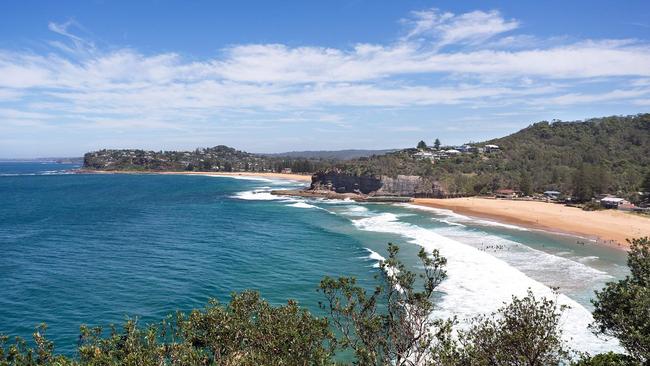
x=601, y=155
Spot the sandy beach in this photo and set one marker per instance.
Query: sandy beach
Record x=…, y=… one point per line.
x=289, y=176
x=608, y=226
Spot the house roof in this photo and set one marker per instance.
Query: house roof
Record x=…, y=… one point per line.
x=612, y=199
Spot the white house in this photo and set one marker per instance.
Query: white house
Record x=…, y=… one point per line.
x=612, y=202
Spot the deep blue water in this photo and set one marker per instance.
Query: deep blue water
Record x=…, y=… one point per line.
x=94, y=249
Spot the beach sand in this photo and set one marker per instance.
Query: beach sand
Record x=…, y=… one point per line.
x=607, y=226
x=289, y=176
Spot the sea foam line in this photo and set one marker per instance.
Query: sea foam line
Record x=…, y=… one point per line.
x=479, y=283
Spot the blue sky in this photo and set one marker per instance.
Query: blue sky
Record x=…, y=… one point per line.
x=268, y=76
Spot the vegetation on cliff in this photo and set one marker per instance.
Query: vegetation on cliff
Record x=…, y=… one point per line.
x=391, y=325
x=601, y=155
x=582, y=159
x=218, y=158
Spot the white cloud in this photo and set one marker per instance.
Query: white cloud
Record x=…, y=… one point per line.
x=121, y=86
x=448, y=28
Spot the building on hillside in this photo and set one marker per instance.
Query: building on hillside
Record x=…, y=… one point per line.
x=452, y=152
x=423, y=155
x=466, y=148
x=506, y=193
x=491, y=148
x=612, y=202
x=552, y=195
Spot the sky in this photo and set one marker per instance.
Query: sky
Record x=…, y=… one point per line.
x=273, y=76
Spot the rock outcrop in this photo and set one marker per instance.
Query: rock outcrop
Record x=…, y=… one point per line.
x=376, y=185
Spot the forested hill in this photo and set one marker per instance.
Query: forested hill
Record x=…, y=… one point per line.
x=218, y=158
x=614, y=152
x=601, y=155
x=332, y=154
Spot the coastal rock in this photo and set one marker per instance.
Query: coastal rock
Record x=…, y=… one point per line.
x=376, y=185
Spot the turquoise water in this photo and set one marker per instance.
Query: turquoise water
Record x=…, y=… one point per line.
x=92, y=249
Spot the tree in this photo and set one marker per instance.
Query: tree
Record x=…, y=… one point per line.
x=607, y=359
x=582, y=190
x=399, y=335
x=247, y=331
x=526, y=183
x=436, y=144
x=645, y=186
x=622, y=309
x=524, y=332
x=422, y=145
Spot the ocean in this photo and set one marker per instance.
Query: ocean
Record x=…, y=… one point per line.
x=96, y=249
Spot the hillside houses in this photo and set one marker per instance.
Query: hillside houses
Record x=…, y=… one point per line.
x=434, y=154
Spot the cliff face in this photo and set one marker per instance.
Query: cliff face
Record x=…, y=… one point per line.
x=376, y=185
x=332, y=180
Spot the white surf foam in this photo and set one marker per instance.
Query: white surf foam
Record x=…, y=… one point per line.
x=479, y=283
x=257, y=195
x=302, y=205
x=375, y=257
x=568, y=272
x=453, y=218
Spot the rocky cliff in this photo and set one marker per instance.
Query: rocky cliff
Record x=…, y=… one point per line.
x=376, y=185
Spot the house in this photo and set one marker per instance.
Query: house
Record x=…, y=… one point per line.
x=506, y=193
x=491, y=148
x=552, y=195
x=453, y=152
x=612, y=202
x=423, y=155
x=465, y=149
x=286, y=170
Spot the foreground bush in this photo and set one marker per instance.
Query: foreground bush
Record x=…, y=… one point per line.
x=622, y=309
x=247, y=331
x=391, y=325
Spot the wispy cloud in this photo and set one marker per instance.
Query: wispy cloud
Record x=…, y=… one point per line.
x=469, y=59
x=447, y=28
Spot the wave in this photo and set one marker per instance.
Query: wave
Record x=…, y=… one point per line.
x=480, y=283
x=448, y=222
x=257, y=195
x=454, y=218
x=302, y=204
x=375, y=257
x=45, y=172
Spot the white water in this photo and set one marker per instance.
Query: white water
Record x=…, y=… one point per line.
x=480, y=283
x=480, y=280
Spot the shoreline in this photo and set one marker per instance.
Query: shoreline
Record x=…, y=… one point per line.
x=608, y=227
x=270, y=175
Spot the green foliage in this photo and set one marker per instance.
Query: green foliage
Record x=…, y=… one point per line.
x=592, y=206
x=436, y=144
x=401, y=333
x=524, y=332
x=645, y=185
x=422, y=145
x=608, y=359
x=19, y=353
x=248, y=331
x=218, y=158
x=526, y=183
x=603, y=155
x=622, y=309
x=391, y=325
